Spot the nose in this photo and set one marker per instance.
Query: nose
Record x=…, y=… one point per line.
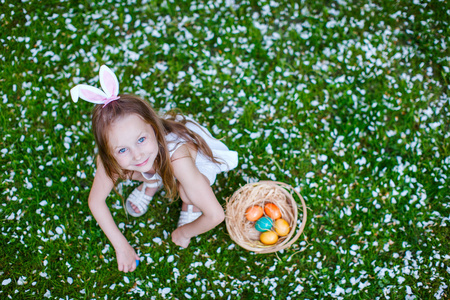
x=137, y=155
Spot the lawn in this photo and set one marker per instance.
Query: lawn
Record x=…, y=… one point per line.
x=346, y=101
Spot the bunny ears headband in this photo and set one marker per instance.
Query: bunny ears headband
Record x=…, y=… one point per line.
x=110, y=86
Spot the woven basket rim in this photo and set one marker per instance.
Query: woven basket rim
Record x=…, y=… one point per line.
x=285, y=242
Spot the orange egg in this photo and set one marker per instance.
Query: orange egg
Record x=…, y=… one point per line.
x=282, y=227
x=268, y=237
x=253, y=213
x=272, y=211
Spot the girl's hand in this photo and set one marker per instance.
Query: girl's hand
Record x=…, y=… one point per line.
x=179, y=239
x=126, y=259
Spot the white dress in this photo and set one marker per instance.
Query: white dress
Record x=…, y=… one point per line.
x=228, y=159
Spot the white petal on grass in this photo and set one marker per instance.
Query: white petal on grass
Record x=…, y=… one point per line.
x=363, y=285
x=189, y=277
x=339, y=291
x=323, y=157
x=28, y=184
x=387, y=218
x=213, y=72
x=71, y=27
x=163, y=292
x=21, y=280
x=442, y=291
x=59, y=230
x=209, y=263
x=43, y=203
x=241, y=93
x=361, y=161
x=354, y=247
x=255, y=135
x=391, y=133
x=309, y=175
x=161, y=66
x=181, y=74
x=434, y=125
x=6, y=281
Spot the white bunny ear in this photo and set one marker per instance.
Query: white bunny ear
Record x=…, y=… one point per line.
x=88, y=93
x=75, y=93
x=109, y=82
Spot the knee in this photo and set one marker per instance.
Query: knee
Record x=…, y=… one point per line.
x=218, y=217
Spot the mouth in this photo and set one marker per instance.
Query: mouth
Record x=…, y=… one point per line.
x=142, y=163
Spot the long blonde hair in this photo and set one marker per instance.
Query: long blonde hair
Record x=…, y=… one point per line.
x=103, y=117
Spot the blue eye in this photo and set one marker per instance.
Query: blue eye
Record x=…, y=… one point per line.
x=122, y=150
x=142, y=139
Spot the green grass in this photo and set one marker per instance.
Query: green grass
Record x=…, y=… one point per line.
x=346, y=101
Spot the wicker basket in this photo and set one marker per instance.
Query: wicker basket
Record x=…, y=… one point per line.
x=243, y=232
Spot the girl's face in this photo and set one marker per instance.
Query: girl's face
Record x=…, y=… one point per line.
x=133, y=143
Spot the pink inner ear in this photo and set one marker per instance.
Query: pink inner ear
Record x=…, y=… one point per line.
x=110, y=83
x=87, y=94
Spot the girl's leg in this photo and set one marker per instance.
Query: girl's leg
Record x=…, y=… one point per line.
x=189, y=212
x=185, y=199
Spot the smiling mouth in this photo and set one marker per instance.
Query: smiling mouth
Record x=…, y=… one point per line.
x=142, y=163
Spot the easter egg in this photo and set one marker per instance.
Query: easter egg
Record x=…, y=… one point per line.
x=268, y=237
x=282, y=227
x=253, y=213
x=137, y=262
x=264, y=224
x=272, y=211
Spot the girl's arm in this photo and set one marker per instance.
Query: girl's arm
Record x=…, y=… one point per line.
x=197, y=190
x=102, y=186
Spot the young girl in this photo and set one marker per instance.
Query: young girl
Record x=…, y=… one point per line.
x=135, y=143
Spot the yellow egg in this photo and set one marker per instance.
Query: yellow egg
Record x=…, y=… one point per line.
x=268, y=237
x=282, y=227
